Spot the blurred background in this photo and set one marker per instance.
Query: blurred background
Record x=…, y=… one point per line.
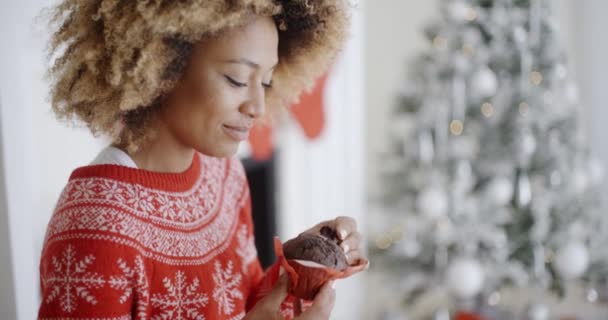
x=465, y=136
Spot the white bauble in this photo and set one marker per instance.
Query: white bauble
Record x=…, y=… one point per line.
x=579, y=181
x=501, y=190
x=441, y=314
x=459, y=10
x=572, y=260
x=484, y=83
x=560, y=71
x=528, y=144
x=538, y=311
x=525, y=146
x=596, y=171
x=465, y=277
x=520, y=35
x=572, y=94
x=433, y=202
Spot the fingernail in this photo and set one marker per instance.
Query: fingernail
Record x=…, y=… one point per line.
x=345, y=247
x=367, y=265
x=281, y=271
x=332, y=284
x=342, y=234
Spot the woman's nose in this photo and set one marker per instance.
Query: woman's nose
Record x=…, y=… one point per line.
x=256, y=104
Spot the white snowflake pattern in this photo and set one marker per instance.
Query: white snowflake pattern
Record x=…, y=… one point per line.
x=166, y=207
x=197, y=206
x=140, y=199
x=111, y=190
x=133, y=278
x=246, y=248
x=208, y=196
x=226, y=289
x=182, y=300
x=193, y=201
x=183, y=210
x=84, y=189
x=71, y=280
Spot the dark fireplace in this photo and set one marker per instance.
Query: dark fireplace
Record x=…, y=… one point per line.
x=261, y=176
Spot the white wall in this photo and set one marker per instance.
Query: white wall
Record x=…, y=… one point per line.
x=322, y=179
x=393, y=36
x=592, y=61
x=7, y=299
x=38, y=152
x=581, y=25
x=17, y=144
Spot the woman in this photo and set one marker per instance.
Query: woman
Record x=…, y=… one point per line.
x=159, y=225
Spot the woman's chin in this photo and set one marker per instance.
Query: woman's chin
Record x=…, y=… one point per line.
x=226, y=150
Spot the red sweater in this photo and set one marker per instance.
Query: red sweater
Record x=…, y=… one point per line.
x=126, y=243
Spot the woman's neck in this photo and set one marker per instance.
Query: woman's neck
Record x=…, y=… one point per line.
x=164, y=153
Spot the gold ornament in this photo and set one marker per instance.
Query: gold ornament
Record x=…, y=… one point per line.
x=456, y=127
x=487, y=109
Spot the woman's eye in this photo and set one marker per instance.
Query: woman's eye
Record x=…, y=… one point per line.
x=235, y=83
x=242, y=84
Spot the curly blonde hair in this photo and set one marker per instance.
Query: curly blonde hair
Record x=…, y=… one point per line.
x=115, y=59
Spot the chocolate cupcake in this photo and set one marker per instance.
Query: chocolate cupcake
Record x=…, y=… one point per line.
x=321, y=248
x=312, y=260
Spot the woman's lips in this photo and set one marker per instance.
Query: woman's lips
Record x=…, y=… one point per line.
x=236, y=132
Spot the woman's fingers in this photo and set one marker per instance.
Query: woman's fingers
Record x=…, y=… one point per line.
x=322, y=305
x=352, y=242
x=353, y=256
x=269, y=307
x=344, y=226
x=274, y=299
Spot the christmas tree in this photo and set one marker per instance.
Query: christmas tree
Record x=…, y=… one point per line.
x=488, y=179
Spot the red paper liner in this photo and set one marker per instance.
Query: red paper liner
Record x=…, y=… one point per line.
x=305, y=282
x=462, y=315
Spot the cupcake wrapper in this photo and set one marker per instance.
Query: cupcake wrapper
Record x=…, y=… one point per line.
x=305, y=280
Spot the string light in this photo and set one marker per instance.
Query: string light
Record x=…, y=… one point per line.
x=471, y=14
x=440, y=42
x=536, y=78
x=494, y=299
x=592, y=295
x=396, y=234
x=456, y=127
x=487, y=109
x=383, y=242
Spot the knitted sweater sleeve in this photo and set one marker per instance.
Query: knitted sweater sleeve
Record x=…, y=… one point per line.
x=262, y=282
x=84, y=276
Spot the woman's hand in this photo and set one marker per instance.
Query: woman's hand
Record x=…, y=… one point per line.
x=322, y=305
x=269, y=307
x=346, y=229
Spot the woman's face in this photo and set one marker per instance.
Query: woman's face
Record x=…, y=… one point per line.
x=223, y=89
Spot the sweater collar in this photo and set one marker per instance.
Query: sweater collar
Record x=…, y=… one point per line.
x=175, y=182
